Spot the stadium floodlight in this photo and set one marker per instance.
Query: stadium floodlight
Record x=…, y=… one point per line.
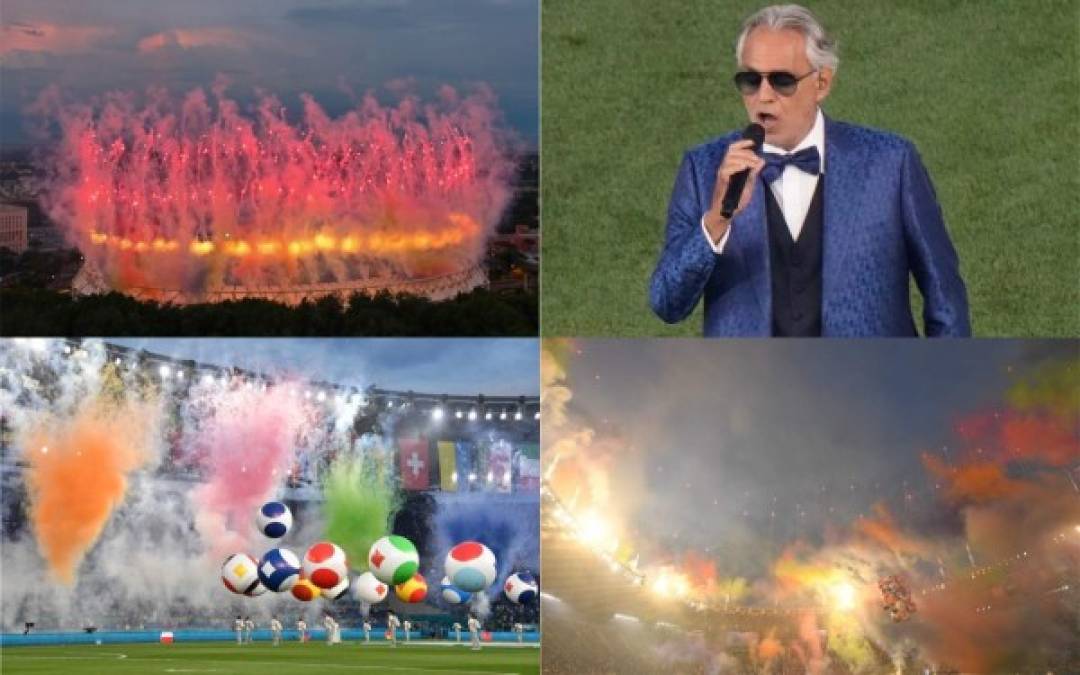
x=487, y=416
x=502, y=415
x=165, y=372
x=472, y=477
x=307, y=393
x=453, y=477
x=517, y=416
x=321, y=396
x=437, y=413
x=117, y=361
x=67, y=350
x=537, y=415
x=490, y=476
x=472, y=415
x=179, y=374
x=458, y=414
x=390, y=403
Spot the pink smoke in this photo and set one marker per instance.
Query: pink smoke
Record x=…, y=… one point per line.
x=248, y=449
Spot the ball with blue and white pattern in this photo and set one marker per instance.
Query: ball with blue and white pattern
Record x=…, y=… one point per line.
x=521, y=587
x=279, y=569
x=471, y=566
x=452, y=594
x=274, y=519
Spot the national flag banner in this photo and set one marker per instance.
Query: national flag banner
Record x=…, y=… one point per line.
x=414, y=463
x=448, y=475
x=463, y=453
x=499, y=455
x=528, y=467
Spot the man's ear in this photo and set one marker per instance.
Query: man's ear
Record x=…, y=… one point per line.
x=823, y=84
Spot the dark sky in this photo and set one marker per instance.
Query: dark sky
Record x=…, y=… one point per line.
x=715, y=431
x=282, y=46
x=495, y=367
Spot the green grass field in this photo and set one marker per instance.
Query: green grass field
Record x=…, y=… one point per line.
x=313, y=657
x=987, y=89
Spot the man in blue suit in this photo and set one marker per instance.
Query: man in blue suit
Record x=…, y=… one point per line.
x=832, y=223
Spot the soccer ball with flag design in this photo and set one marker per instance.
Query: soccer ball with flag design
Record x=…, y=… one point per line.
x=393, y=560
x=471, y=566
x=413, y=590
x=325, y=565
x=240, y=573
x=521, y=587
x=279, y=569
x=274, y=519
x=369, y=589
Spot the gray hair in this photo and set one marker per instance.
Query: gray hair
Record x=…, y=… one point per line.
x=821, y=49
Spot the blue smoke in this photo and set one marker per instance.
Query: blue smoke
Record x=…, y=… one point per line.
x=508, y=524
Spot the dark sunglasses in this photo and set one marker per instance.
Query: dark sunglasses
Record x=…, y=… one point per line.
x=784, y=83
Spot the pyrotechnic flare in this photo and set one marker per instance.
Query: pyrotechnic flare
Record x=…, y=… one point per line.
x=196, y=196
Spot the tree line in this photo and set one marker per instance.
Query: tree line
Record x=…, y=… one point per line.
x=481, y=312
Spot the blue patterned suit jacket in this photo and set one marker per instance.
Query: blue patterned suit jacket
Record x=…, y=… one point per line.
x=882, y=224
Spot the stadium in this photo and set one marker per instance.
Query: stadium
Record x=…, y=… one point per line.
x=130, y=475
x=190, y=201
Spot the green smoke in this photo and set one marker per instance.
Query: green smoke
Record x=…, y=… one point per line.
x=360, y=505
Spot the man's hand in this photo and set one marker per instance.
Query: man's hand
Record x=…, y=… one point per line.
x=740, y=155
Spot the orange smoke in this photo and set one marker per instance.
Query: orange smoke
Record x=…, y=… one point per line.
x=882, y=529
x=975, y=481
x=77, y=476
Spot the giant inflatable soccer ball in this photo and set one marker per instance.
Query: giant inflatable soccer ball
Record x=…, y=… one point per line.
x=240, y=573
x=521, y=587
x=369, y=589
x=393, y=560
x=305, y=591
x=471, y=566
x=274, y=519
x=452, y=594
x=279, y=569
x=413, y=590
x=325, y=565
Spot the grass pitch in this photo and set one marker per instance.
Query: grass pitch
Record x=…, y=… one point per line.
x=985, y=89
x=292, y=657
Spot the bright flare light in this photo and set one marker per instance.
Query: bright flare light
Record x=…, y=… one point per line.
x=843, y=596
x=596, y=531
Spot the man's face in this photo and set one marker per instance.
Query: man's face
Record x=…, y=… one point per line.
x=787, y=119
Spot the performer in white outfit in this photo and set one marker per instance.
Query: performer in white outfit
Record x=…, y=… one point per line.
x=474, y=632
x=275, y=629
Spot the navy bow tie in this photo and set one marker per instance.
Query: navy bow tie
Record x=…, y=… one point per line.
x=806, y=159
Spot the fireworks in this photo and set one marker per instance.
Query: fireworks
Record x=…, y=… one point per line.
x=195, y=196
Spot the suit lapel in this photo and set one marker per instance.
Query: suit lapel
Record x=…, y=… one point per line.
x=838, y=220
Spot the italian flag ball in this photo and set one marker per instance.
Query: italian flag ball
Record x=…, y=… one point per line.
x=393, y=560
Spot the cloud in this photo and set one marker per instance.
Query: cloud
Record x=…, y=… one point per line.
x=193, y=38
x=51, y=38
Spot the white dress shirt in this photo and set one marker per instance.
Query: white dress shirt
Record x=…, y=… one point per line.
x=793, y=190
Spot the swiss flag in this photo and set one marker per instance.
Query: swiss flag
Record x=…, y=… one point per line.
x=414, y=463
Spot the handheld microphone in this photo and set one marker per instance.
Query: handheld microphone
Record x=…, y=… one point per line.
x=755, y=132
